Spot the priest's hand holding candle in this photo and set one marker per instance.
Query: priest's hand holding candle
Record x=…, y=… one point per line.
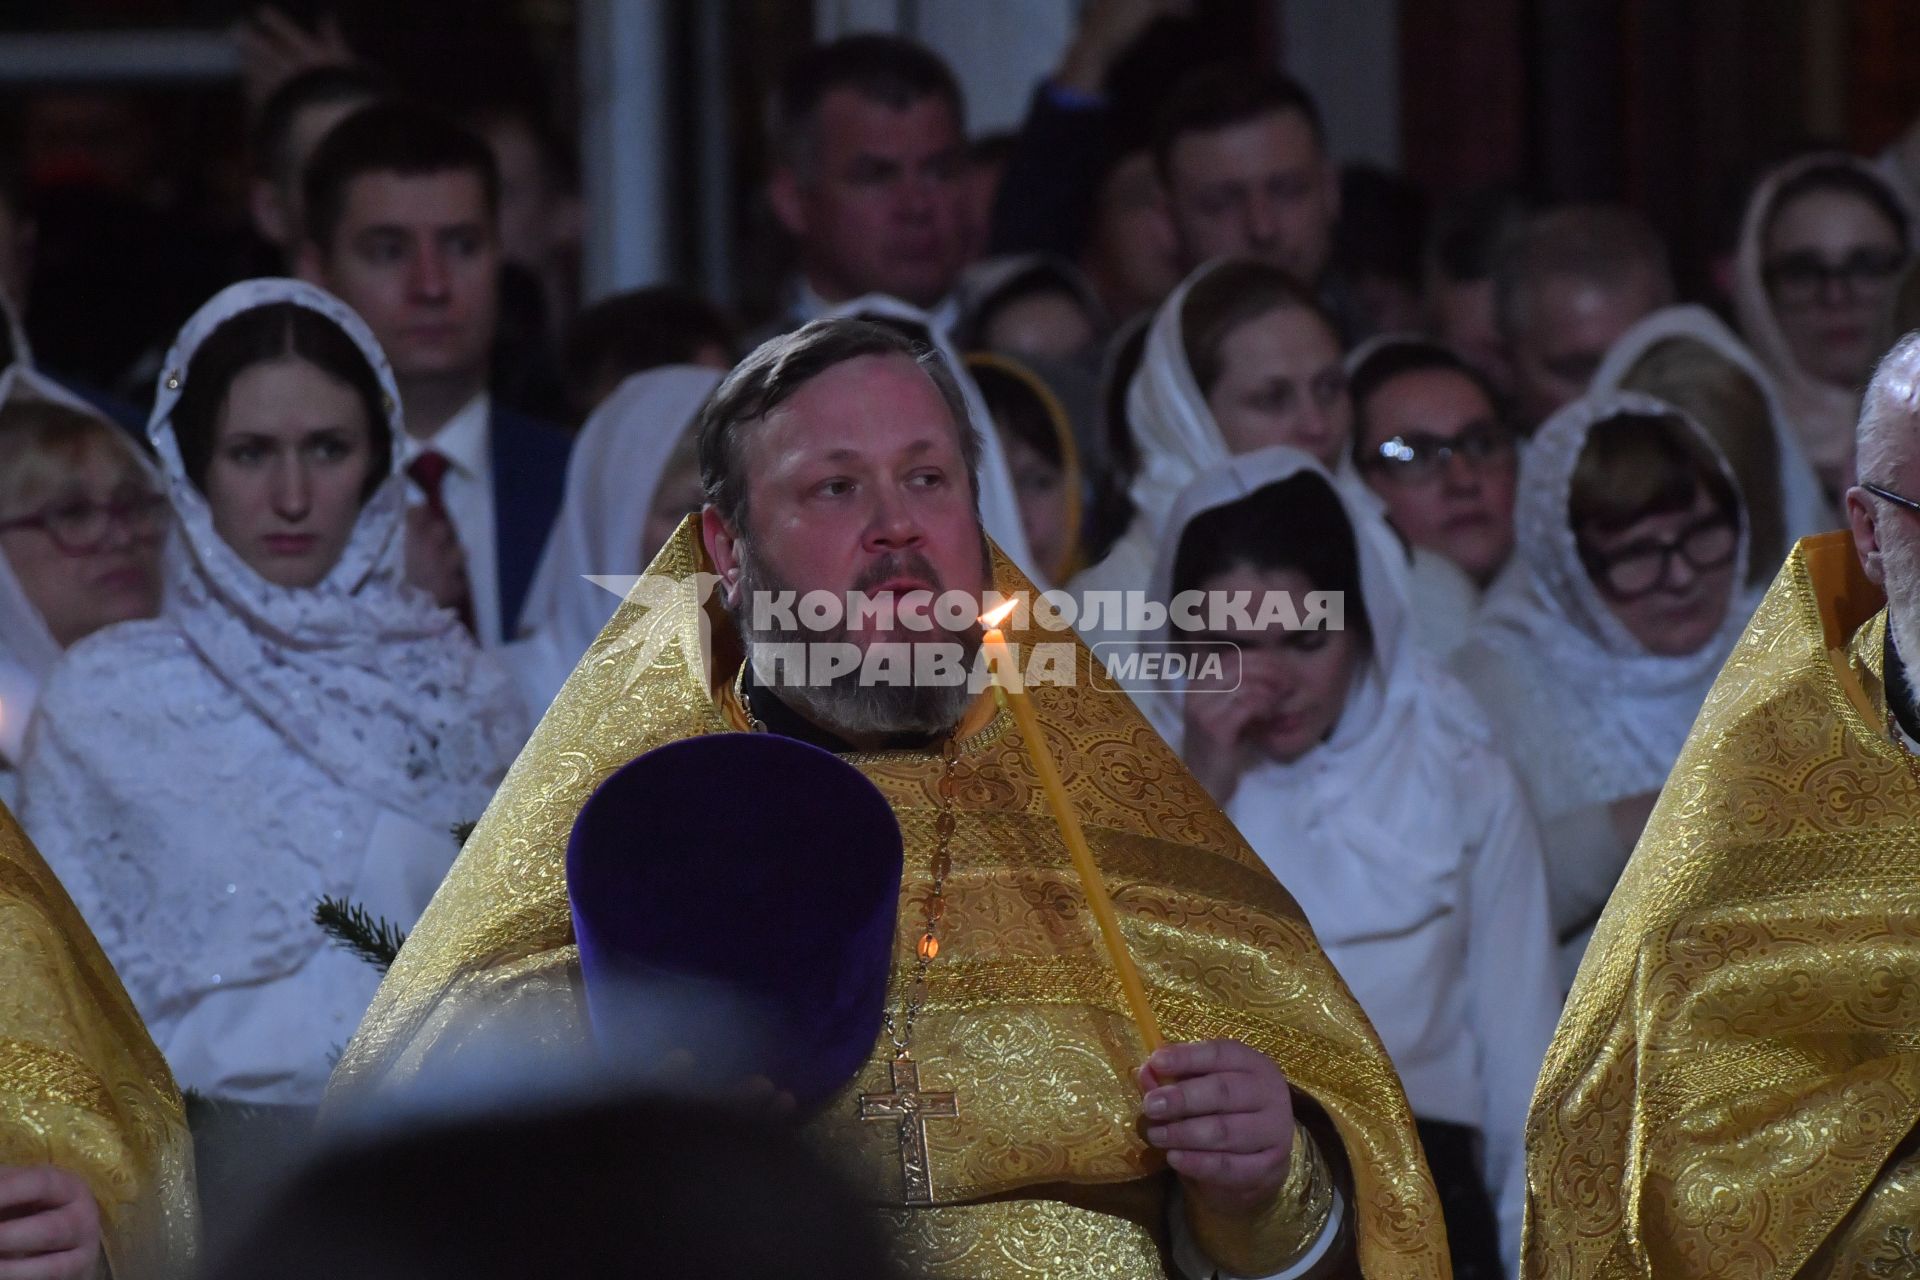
x=1221, y=1110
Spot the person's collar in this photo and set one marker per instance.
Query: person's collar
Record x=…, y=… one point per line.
x=1900, y=699
x=463, y=438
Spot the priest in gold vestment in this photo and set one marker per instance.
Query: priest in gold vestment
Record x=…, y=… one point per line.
x=1735, y=1086
x=1003, y=1123
x=87, y=1105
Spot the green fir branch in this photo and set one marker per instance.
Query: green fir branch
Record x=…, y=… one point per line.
x=373, y=938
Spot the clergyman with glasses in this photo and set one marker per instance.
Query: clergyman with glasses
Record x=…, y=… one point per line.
x=1738, y=1053
x=82, y=524
x=1593, y=654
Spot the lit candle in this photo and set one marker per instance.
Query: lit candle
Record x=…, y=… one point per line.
x=1011, y=691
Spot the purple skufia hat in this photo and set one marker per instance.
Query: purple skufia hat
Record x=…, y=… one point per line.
x=754, y=862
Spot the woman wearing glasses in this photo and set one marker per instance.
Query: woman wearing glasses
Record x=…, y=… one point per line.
x=82, y=520
x=1432, y=446
x=1594, y=655
x=297, y=723
x=1822, y=246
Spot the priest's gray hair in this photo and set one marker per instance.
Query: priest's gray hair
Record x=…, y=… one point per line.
x=1889, y=427
x=777, y=369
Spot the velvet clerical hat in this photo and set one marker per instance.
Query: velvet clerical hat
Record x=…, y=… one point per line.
x=749, y=862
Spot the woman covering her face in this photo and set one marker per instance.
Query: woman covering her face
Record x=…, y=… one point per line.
x=1369, y=779
x=1595, y=657
x=1822, y=246
x=82, y=522
x=297, y=723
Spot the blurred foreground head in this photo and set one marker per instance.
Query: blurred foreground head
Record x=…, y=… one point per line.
x=612, y=1188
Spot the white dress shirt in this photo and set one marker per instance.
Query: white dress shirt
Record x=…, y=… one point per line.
x=467, y=444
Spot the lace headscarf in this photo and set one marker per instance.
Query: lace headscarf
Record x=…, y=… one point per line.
x=196, y=849
x=1622, y=711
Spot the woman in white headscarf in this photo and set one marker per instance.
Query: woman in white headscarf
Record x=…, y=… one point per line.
x=82, y=520
x=999, y=506
x=298, y=723
x=1595, y=655
x=634, y=474
x=1688, y=357
x=1370, y=782
x=1241, y=357
x=1822, y=245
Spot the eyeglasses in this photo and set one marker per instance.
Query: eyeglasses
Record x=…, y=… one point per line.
x=1896, y=499
x=81, y=528
x=1641, y=568
x=1419, y=457
x=1801, y=279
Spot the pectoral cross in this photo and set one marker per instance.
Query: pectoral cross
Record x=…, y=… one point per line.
x=910, y=1109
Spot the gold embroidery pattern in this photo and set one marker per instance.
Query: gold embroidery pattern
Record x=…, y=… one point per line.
x=1026, y=1023
x=1741, y=1050
x=81, y=1084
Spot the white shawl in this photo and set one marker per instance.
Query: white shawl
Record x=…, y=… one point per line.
x=201, y=780
x=1804, y=508
x=1823, y=414
x=612, y=476
x=1605, y=718
x=28, y=651
x=1406, y=840
x=1178, y=440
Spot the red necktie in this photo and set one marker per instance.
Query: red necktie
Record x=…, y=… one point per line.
x=429, y=471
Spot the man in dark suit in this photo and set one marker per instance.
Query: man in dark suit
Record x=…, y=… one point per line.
x=402, y=212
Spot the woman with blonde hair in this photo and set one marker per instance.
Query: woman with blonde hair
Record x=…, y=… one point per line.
x=82, y=522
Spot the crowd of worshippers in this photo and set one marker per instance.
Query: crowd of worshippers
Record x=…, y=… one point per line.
x=282, y=639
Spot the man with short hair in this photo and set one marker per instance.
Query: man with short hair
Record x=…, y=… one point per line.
x=1738, y=1052
x=1242, y=154
x=1570, y=281
x=401, y=223
x=1462, y=251
x=292, y=122
x=998, y=1123
x=870, y=150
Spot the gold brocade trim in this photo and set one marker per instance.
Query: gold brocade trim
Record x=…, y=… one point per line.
x=966, y=986
x=1022, y=1240
x=1738, y=1056
x=52, y=1075
x=1281, y=1232
x=81, y=1084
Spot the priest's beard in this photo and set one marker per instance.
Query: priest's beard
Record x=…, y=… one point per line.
x=845, y=705
x=1900, y=565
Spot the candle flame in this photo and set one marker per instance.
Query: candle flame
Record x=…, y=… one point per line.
x=994, y=617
